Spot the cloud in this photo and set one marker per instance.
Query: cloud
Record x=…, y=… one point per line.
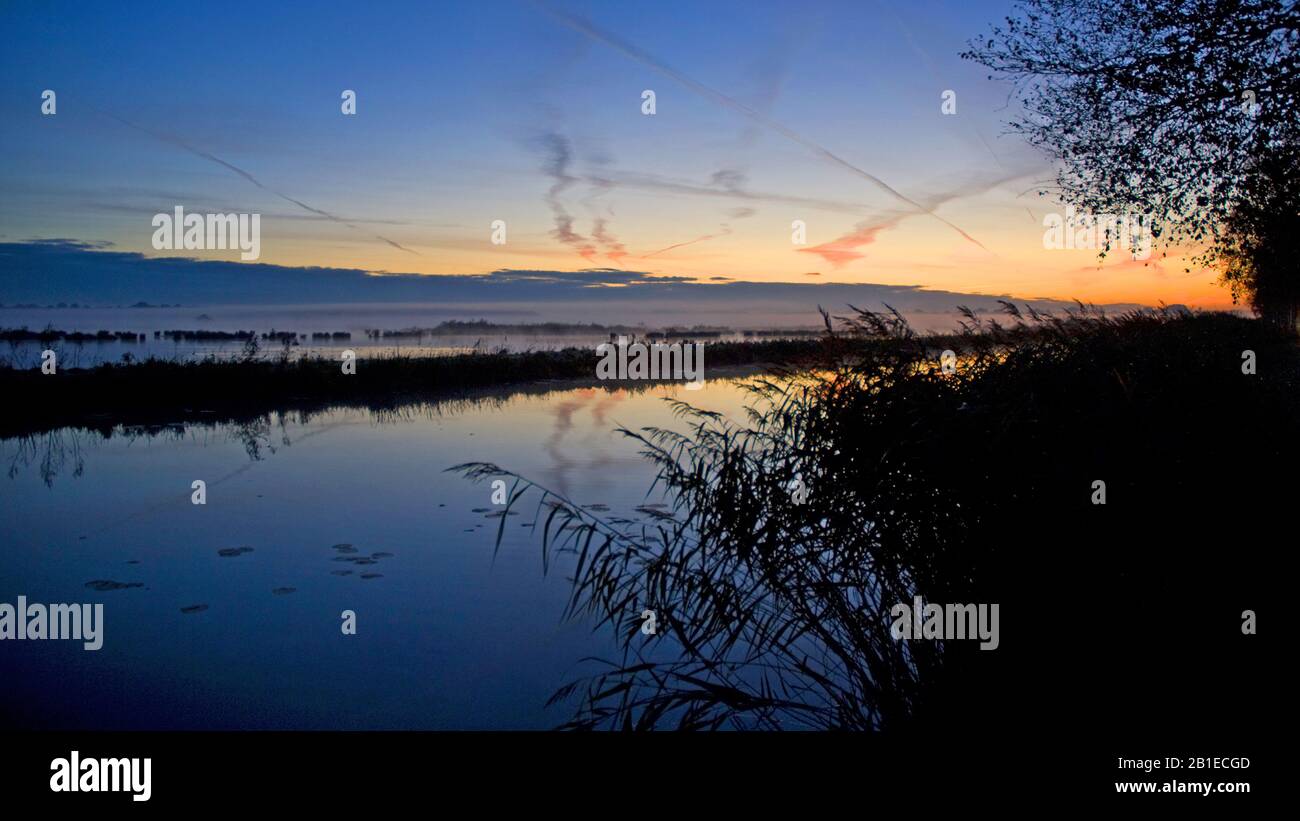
x=68, y=270
x=1125, y=264
x=613, y=248
x=588, y=29
x=71, y=244
x=729, y=179
x=668, y=185
x=588, y=276
x=557, y=159
x=557, y=155
x=843, y=249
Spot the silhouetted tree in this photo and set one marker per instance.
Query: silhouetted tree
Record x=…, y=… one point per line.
x=1260, y=246
x=1180, y=109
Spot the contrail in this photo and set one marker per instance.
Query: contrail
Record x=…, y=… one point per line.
x=590, y=30
x=614, y=249
x=556, y=166
x=241, y=172
x=934, y=71
x=843, y=249
x=684, y=244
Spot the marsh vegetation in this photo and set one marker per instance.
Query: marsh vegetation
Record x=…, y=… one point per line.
x=772, y=606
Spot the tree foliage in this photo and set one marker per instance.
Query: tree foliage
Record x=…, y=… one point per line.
x=1260, y=246
x=1156, y=106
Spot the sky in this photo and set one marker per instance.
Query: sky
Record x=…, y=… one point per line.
x=531, y=113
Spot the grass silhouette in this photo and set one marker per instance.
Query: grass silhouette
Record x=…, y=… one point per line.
x=975, y=486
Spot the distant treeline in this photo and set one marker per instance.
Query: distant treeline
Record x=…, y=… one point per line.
x=33, y=305
x=456, y=327
x=448, y=328
x=50, y=335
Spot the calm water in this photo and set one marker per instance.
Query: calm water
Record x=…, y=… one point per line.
x=447, y=635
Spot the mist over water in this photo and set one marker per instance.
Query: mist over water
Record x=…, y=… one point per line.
x=357, y=319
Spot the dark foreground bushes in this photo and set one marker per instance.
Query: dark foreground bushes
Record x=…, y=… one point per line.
x=773, y=605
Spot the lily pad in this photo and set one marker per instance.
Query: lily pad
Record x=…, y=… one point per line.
x=107, y=584
x=653, y=512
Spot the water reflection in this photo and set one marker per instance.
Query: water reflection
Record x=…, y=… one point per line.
x=51, y=453
x=62, y=450
x=226, y=615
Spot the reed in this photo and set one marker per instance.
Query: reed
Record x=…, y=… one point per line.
x=773, y=606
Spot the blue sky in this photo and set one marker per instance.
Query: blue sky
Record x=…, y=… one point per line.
x=473, y=112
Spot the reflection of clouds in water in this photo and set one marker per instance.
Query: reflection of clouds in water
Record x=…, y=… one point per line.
x=605, y=405
x=563, y=456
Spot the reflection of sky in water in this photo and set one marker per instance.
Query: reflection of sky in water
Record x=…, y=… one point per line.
x=447, y=636
x=89, y=354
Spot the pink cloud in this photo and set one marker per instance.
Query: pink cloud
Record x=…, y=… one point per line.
x=844, y=249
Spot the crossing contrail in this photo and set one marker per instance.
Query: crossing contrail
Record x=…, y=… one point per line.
x=588, y=29
x=179, y=143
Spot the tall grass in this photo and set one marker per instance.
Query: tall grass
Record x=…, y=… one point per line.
x=975, y=486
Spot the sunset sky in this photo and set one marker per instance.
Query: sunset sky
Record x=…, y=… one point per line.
x=531, y=113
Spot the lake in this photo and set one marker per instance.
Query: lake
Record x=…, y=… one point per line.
x=360, y=328
x=448, y=635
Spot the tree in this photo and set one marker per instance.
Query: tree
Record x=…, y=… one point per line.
x=1260, y=245
x=1173, y=108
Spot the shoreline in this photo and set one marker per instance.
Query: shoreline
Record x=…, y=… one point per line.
x=159, y=392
